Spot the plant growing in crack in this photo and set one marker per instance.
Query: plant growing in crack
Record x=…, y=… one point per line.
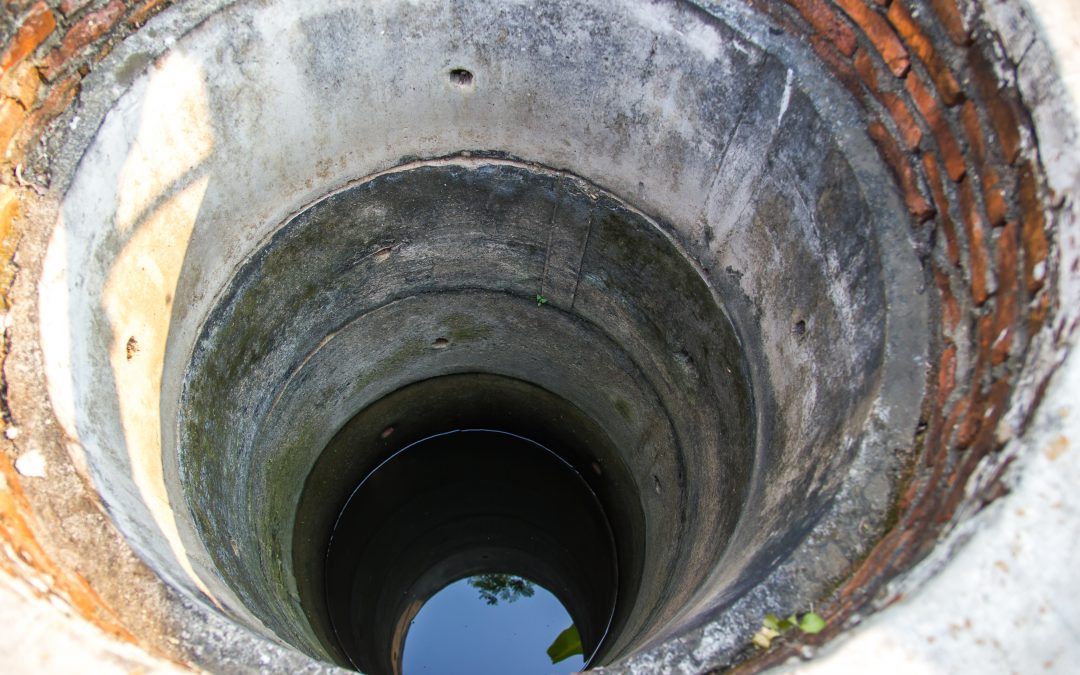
x=540, y=300
x=773, y=627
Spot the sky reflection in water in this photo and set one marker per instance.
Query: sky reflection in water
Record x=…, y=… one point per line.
x=458, y=633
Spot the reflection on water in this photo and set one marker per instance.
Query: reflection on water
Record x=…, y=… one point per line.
x=494, y=623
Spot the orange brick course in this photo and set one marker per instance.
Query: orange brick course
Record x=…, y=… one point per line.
x=37, y=26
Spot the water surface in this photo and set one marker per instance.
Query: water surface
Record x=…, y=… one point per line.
x=459, y=631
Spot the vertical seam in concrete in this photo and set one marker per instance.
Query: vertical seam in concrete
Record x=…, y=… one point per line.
x=551, y=233
x=581, y=261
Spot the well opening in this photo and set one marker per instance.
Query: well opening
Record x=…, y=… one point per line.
x=694, y=305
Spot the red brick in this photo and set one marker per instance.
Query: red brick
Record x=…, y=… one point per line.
x=1033, y=230
x=86, y=31
x=879, y=32
x=147, y=10
x=993, y=191
x=969, y=117
x=976, y=234
x=37, y=26
x=1007, y=313
x=9, y=210
x=951, y=154
x=998, y=104
x=946, y=375
x=839, y=66
x=864, y=66
x=819, y=15
x=56, y=101
x=905, y=121
x=898, y=161
x=910, y=132
x=12, y=116
x=1037, y=312
x=964, y=421
x=948, y=228
x=69, y=7
x=912, y=34
x=997, y=209
x=952, y=20
x=9, y=214
x=950, y=308
x=21, y=83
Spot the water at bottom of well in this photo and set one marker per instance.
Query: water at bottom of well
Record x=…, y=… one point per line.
x=491, y=624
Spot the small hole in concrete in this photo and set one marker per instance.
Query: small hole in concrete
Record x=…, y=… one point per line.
x=461, y=77
x=132, y=347
x=799, y=329
x=440, y=343
x=383, y=253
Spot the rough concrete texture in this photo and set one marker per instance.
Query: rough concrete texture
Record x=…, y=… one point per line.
x=192, y=141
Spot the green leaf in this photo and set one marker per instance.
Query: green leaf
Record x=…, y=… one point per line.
x=787, y=624
x=540, y=300
x=566, y=645
x=772, y=622
x=811, y=623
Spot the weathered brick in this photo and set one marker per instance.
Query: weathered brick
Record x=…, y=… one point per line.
x=21, y=84
x=964, y=423
x=950, y=308
x=910, y=132
x=912, y=35
x=946, y=375
x=12, y=116
x=969, y=117
x=997, y=209
x=864, y=66
x=839, y=67
x=978, y=265
x=952, y=20
x=147, y=10
x=9, y=210
x=998, y=104
x=879, y=32
x=821, y=17
x=1037, y=312
x=905, y=121
x=951, y=154
x=56, y=101
x=945, y=221
x=86, y=31
x=1033, y=229
x=69, y=7
x=1006, y=313
x=37, y=26
x=994, y=191
x=905, y=175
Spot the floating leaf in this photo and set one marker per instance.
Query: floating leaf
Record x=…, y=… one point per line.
x=811, y=623
x=566, y=645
